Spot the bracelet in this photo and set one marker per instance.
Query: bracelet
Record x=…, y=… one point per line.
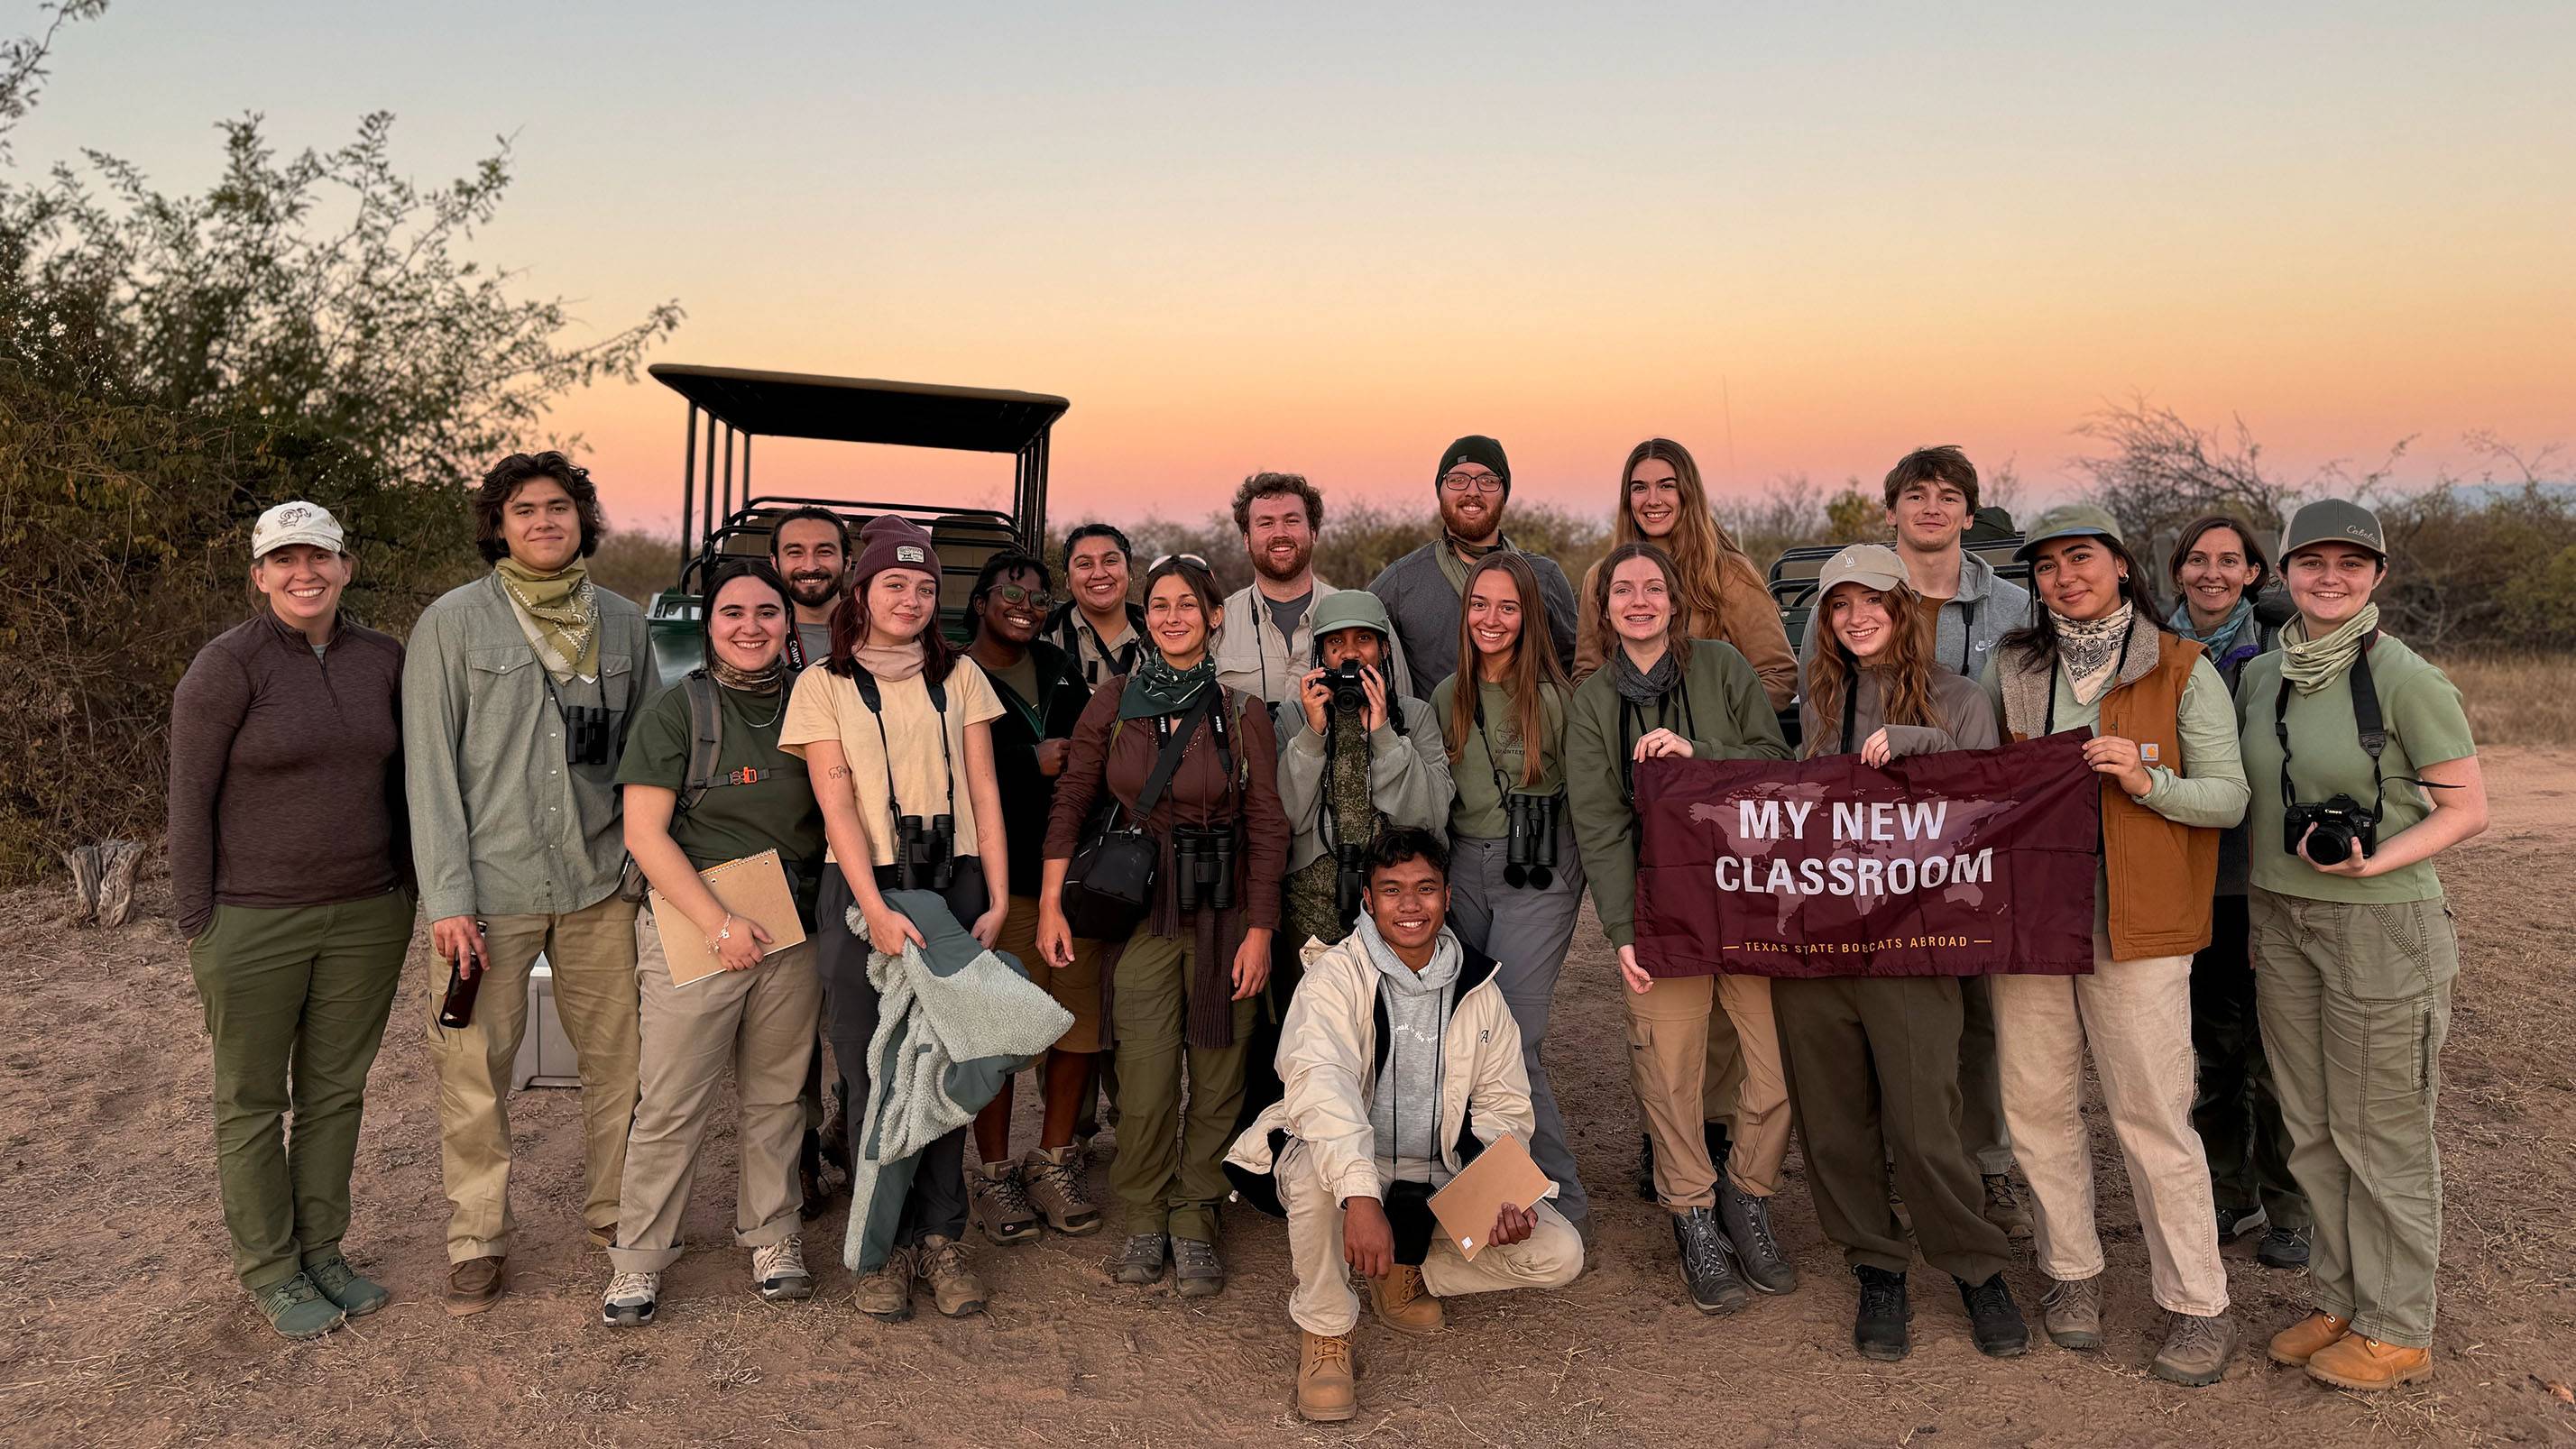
x=722, y=935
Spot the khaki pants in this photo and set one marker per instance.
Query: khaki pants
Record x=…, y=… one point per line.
x=1668, y=1036
x=1170, y=1173
x=2356, y=1003
x=2136, y=1018
x=296, y=999
x=592, y=952
x=1321, y=1301
x=761, y=1024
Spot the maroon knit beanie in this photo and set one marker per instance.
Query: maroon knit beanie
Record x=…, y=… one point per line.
x=890, y=542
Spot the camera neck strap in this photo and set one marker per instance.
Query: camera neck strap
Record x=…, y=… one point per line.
x=1632, y=728
x=1503, y=790
x=2366, y=720
x=1176, y=743
x=874, y=698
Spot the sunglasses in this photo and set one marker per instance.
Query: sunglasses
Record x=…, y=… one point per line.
x=1189, y=558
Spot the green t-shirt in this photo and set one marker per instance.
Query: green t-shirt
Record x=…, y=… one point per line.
x=775, y=812
x=1476, y=811
x=2426, y=726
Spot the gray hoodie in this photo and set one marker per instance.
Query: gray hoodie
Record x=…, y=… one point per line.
x=1404, y=1112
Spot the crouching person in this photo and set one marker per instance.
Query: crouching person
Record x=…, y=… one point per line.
x=1401, y=1061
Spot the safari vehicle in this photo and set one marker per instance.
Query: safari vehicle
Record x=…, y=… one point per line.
x=1992, y=537
x=723, y=517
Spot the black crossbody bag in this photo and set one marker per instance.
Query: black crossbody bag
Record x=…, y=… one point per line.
x=1110, y=883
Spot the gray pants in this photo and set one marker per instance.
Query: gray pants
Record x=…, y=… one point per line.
x=2356, y=1002
x=1527, y=932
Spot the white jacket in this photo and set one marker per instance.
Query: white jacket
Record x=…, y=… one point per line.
x=1329, y=1060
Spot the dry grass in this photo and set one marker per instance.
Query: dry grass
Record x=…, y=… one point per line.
x=2517, y=699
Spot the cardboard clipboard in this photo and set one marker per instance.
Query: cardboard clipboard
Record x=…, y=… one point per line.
x=754, y=888
x=1502, y=1173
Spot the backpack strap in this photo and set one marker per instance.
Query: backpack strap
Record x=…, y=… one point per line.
x=706, y=739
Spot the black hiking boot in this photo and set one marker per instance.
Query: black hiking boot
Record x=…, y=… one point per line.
x=1708, y=1263
x=1748, y=1230
x=1994, y=1318
x=1878, y=1330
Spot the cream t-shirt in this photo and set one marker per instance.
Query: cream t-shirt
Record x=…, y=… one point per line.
x=827, y=706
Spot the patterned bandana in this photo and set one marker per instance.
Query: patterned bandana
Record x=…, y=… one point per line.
x=1157, y=689
x=560, y=612
x=2089, y=650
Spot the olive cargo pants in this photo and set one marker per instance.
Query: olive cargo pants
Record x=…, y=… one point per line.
x=1169, y=1172
x=2356, y=1003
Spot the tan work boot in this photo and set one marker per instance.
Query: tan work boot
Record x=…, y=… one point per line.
x=2366, y=1364
x=2303, y=1340
x=1327, y=1385
x=1054, y=1179
x=953, y=1285
x=1402, y=1303
x=476, y=1284
x=886, y=1294
x=1001, y=1204
x=2071, y=1311
x=2196, y=1349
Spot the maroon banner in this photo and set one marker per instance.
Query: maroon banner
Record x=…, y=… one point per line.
x=1970, y=863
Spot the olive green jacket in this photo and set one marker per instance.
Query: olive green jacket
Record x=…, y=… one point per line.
x=1720, y=708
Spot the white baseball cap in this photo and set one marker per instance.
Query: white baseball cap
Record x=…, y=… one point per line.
x=293, y=523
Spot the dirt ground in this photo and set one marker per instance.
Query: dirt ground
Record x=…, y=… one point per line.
x=128, y=1328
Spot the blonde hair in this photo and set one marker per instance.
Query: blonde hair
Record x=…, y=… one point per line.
x=1700, y=549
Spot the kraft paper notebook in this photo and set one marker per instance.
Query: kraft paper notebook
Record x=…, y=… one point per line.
x=1502, y=1173
x=753, y=888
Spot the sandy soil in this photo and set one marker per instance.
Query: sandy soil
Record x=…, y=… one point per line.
x=128, y=1329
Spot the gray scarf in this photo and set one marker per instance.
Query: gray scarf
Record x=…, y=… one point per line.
x=1644, y=686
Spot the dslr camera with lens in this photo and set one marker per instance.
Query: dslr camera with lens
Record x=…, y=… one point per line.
x=1529, y=851
x=1203, y=867
x=2332, y=831
x=1350, y=692
x=924, y=858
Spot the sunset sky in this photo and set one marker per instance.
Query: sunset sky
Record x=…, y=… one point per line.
x=1329, y=239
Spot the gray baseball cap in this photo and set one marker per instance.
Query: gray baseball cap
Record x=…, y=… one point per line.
x=1871, y=565
x=2333, y=520
x=2073, y=520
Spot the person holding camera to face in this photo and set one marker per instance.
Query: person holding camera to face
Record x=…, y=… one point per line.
x=1187, y=772
x=2363, y=771
x=1515, y=879
x=2096, y=660
x=896, y=733
x=517, y=691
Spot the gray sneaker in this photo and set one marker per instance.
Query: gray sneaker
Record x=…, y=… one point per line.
x=1747, y=1220
x=2196, y=1350
x=1140, y=1261
x=298, y=1309
x=340, y=1283
x=1197, y=1271
x=2071, y=1310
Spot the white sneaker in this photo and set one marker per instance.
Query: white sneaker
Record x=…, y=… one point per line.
x=778, y=1271
x=630, y=1300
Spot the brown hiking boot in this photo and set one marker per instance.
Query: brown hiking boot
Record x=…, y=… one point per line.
x=1001, y=1204
x=2004, y=1208
x=2196, y=1349
x=2308, y=1337
x=886, y=1294
x=2071, y=1311
x=1054, y=1179
x=953, y=1285
x=1327, y=1385
x=2366, y=1364
x=1403, y=1304
x=474, y=1285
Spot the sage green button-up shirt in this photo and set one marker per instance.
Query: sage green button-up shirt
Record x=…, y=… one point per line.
x=502, y=824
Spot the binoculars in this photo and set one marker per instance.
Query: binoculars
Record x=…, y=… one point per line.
x=1350, y=880
x=1203, y=868
x=589, y=738
x=924, y=859
x=1529, y=850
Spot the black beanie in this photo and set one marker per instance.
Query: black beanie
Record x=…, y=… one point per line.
x=1475, y=448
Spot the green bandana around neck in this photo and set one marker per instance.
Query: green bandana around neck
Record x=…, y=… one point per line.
x=1156, y=688
x=563, y=610
x=2312, y=664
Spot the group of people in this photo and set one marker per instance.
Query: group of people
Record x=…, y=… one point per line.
x=1370, y=818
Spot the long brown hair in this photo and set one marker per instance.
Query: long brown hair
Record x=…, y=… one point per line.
x=1904, y=668
x=1701, y=550
x=850, y=624
x=1676, y=631
x=1533, y=667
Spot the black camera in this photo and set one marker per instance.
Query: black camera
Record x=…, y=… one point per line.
x=589, y=738
x=1350, y=880
x=1350, y=692
x=924, y=859
x=2333, y=830
x=1203, y=868
x=1529, y=851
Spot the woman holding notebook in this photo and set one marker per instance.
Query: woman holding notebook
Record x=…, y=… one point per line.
x=756, y=1009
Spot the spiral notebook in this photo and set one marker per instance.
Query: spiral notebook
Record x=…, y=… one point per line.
x=754, y=888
